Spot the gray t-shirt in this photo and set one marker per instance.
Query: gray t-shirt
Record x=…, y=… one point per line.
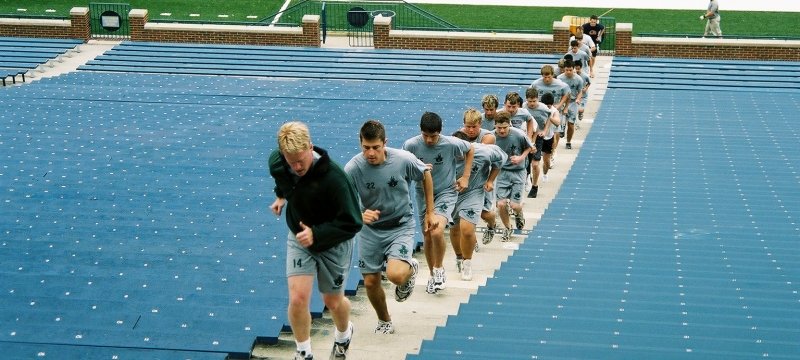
x=586, y=80
x=581, y=56
x=444, y=156
x=513, y=145
x=486, y=156
x=385, y=187
x=575, y=84
x=540, y=113
x=586, y=40
x=487, y=124
x=483, y=132
x=557, y=87
x=519, y=120
x=713, y=7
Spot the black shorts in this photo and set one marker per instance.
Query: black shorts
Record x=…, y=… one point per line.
x=536, y=155
x=547, y=146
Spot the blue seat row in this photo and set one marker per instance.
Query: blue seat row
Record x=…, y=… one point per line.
x=296, y=62
x=687, y=74
x=22, y=55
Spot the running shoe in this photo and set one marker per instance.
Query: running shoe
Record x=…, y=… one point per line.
x=402, y=292
x=466, y=270
x=488, y=236
x=534, y=192
x=440, y=279
x=506, y=235
x=301, y=355
x=431, y=287
x=519, y=220
x=384, y=327
x=339, y=350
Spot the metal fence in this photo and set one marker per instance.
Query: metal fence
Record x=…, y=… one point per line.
x=341, y=15
x=109, y=20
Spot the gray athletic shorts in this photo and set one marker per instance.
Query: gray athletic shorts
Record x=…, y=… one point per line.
x=330, y=266
x=572, y=112
x=444, y=204
x=375, y=246
x=488, y=200
x=510, y=184
x=469, y=205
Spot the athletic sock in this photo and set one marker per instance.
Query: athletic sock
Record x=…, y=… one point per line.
x=304, y=346
x=342, y=336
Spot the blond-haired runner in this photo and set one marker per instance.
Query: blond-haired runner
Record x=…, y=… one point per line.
x=320, y=239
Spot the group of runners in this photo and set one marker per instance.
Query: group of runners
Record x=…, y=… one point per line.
x=435, y=181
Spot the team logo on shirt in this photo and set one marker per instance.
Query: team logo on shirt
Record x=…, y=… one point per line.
x=439, y=159
x=392, y=182
x=514, y=149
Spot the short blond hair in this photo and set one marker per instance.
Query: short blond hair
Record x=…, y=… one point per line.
x=472, y=117
x=293, y=137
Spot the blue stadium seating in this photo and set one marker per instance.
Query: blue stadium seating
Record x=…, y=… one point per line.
x=136, y=216
x=21, y=55
x=673, y=237
x=700, y=74
x=297, y=62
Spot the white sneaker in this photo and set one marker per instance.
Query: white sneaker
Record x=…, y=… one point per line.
x=439, y=279
x=402, y=292
x=384, y=327
x=466, y=270
x=488, y=236
x=431, y=287
x=545, y=178
x=506, y=235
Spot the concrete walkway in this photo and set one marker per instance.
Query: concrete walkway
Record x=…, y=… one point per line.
x=416, y=319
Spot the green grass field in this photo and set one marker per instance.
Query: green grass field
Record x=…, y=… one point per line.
x=739, y=23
